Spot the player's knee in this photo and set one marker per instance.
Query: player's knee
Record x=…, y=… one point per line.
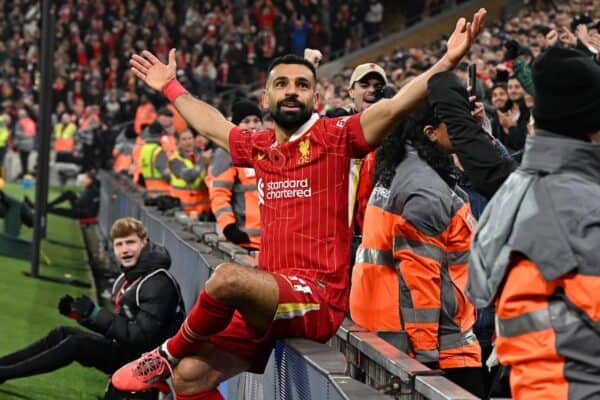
x=226, y=281
x=59, y=333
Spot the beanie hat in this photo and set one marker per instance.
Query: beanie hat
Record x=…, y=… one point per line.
x=567, y=92
x=241, y=108
x=155, y=129
x=165, y=111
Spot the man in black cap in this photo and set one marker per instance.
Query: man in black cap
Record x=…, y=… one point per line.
x=232, y=190
x=165, y=118
x=535, y=252
x=167, y=139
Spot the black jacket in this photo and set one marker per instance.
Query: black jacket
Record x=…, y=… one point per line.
x=88, y=202
x=149, y=307
x=514, y=140
x=483, y=164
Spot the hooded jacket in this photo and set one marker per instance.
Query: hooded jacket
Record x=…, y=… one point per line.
x=482, y=163
x=535, y=254
x=148, y=303
x=88, y=202
x=411, y=270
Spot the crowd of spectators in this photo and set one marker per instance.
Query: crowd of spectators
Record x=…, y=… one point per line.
x=502, y=56
x=228, y=45
x=224, y=44
x=221, y=45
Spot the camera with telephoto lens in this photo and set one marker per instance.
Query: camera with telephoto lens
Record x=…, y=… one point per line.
x=386, y=92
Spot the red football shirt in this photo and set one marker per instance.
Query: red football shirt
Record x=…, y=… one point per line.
x=303, y=196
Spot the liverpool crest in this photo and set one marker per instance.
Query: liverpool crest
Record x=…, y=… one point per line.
x=304, y=150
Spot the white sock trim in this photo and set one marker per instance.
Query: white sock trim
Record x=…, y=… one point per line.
x=172, y=360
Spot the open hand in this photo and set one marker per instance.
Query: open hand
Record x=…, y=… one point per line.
x=567, y=37
x=551, y=38
x=151, y=70
x=506, y=120
x=582, y=34
x=594, y=41
x=463, y=36
x=478, y=111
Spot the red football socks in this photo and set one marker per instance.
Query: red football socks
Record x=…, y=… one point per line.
x=208, y=317
x=210, y=395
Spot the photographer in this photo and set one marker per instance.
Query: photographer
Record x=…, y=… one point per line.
x=368, y=85
x=148, y=309
x=84, y=206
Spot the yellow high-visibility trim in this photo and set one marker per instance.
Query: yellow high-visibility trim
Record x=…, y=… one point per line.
x=291, y=310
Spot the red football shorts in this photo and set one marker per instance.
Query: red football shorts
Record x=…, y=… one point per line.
x=302, y=312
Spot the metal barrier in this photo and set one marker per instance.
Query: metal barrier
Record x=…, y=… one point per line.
x=298, y=369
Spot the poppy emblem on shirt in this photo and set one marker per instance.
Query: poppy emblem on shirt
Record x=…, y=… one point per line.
x=304, y=150
x=276, y=157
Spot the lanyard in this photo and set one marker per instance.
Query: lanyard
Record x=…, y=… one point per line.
x=121, y=292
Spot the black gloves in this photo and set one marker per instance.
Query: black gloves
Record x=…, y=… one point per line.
x=78, y=308
x=235, y=235
x=64, y=305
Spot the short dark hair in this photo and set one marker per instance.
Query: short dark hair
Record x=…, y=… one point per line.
x=293, y=59
x=497, y=85
x=193, y=132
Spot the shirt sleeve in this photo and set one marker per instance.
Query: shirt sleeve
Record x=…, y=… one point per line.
x=348, y=132
x=240, y=147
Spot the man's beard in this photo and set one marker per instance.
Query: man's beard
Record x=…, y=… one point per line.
x=291, y=120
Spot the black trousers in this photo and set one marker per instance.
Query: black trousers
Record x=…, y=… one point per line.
x=61, y=347
x=470, y=379
x=71, y=211
x=24, y=158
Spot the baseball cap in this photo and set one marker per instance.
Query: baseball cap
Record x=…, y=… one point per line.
x=364, y=69
x=165, y=111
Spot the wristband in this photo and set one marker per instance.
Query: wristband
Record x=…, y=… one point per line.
x=173, y=89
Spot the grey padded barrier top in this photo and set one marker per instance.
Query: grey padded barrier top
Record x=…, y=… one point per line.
x=440, y=388
x=299, y=368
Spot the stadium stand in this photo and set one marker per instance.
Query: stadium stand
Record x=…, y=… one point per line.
x=224, y=48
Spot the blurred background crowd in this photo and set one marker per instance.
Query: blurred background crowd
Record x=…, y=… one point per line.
x=103, y=117
x=223, y=50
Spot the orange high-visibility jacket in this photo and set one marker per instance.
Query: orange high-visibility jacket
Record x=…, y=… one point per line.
x=155, y=167
x=187, y=182
x=136, y=165
x=144, y=115
x=179, y=123
x=411, y=267
x=545, y=333
x=64, y=137
x=233, y=196
x=535, y=254
x=123, y=156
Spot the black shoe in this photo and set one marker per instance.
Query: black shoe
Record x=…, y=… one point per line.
x=28, y=202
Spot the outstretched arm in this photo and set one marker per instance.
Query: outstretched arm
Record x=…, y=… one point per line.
x=204, y=118
x=379, y=118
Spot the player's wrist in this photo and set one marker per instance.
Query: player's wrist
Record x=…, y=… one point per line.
x=173, y=89
x=446, y=63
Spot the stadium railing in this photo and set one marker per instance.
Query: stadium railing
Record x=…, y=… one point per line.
x=355, y=364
